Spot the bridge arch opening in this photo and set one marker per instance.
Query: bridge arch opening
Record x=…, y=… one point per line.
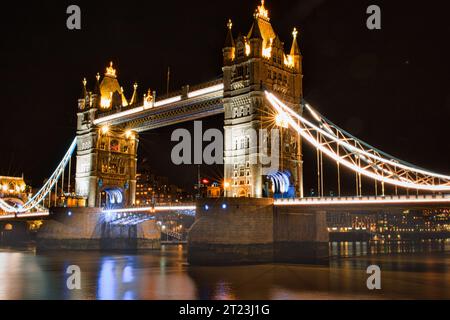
x=280, y=185
x=112, y=198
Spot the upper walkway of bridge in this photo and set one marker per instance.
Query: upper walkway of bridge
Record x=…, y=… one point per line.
x=166, y=109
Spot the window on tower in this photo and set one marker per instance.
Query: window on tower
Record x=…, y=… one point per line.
x=114, y=146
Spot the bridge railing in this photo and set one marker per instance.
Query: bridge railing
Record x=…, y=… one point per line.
x=354, y=199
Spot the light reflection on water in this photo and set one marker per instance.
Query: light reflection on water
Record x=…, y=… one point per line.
x=409, y=271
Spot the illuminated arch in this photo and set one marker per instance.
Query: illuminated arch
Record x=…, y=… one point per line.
x=357, y=155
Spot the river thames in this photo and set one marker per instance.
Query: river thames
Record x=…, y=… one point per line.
x=409, y=271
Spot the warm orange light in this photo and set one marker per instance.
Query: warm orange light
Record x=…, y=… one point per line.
x=281, y=121
x=129, y=134
x=247, y=49
x=105, y=129
x=289, y=61
x=295, y=33
x=262, y=12
x=267, y=52
x=110, y=71
x=105, y=103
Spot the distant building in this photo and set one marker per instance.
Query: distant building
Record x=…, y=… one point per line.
x=14, y=190
x=12, y=186
x=391, y=223
x=214, y=191
x=151, y=189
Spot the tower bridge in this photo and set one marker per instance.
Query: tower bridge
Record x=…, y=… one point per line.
x=261, y=89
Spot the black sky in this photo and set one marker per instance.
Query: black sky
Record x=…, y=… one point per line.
x=390, y=88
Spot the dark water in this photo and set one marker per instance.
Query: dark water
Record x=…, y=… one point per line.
x=409, y=271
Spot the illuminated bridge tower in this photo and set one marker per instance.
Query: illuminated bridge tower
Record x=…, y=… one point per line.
x=106, y=155
x=253, y=64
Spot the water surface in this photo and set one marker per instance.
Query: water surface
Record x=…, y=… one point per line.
x=409, y=271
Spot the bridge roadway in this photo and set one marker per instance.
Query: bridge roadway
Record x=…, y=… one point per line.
x=135, y=210
x=25, y=216
x=368, y=203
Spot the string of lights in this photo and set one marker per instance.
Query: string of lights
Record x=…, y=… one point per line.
x=349, y=151
x=35, y=201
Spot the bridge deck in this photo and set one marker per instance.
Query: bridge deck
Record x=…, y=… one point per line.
x=369, y=202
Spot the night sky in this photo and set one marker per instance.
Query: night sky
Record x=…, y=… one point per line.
x=390, y=88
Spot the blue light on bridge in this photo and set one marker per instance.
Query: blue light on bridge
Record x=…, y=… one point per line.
x=69, y=213
x=224, y=206
x=206, y=207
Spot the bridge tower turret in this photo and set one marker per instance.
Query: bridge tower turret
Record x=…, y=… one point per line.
x=106, y=155
x=252, y=64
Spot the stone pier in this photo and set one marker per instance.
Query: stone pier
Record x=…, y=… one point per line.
x=243, y=231
x=86, y=229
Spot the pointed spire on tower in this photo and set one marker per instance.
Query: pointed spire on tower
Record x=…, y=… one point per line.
x=84, y=91
x=262, y=12
x=255, y=32
x=229, y=42
x=97, y=84
x=295, y=51
x=148, y=99
x=135, y=95
x=124, y=100
x=110, y=71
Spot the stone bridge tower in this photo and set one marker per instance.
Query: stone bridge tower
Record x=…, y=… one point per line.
x=106, y=156
x=252, y=64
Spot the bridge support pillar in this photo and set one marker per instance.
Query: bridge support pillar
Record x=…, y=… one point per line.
x=87, y=229
x=299, y=236
x=247, y=231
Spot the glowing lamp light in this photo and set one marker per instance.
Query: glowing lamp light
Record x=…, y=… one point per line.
x=267, y=52
x=110, y=71
x=224, y=206
x=289, y=61
x=247, y=49
x=129, y=134
x=105, y=129
x=226, y=185
x=281, y=120
x=69, y=213
x=262, y=12
x=206, y=207
x=105, y=103
x=205, y=181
